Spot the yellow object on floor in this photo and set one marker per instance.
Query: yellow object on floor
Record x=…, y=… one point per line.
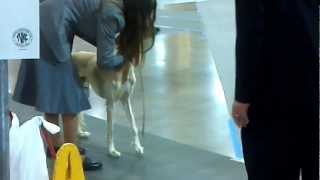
x=68, y=165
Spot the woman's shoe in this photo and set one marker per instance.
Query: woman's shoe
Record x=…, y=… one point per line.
x=90, y=165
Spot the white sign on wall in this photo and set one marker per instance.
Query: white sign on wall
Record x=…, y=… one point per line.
x=19, y=29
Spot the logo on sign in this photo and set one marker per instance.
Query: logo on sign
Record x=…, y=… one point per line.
x=22, y=37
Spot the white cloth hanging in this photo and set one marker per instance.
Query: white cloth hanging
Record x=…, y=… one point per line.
x=27, y=153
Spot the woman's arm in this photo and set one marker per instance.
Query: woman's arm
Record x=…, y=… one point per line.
x=110, y=24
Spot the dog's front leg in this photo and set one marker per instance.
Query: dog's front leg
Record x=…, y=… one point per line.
x=128, y=110
x=82, y=128
x=112, y=150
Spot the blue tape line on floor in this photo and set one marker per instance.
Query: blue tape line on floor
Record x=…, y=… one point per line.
x=236, y=140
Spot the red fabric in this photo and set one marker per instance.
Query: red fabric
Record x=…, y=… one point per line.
x=49, y=142
x=10, y=115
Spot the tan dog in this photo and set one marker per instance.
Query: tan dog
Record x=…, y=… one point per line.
x=113, y=87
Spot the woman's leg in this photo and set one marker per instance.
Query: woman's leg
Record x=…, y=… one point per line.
x=70, y=128
x=57, y=140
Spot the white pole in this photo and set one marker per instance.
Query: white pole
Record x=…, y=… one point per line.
x=4, y=122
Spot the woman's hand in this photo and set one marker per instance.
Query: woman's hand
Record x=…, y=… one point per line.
x=121, y=75
x=117, y=75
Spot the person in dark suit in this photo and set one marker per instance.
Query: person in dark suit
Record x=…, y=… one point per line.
x=277, y=88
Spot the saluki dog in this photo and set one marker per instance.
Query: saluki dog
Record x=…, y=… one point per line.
x=104, y=85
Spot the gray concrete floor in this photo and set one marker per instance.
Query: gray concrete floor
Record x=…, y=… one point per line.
x=163, y=158
x=184, y=97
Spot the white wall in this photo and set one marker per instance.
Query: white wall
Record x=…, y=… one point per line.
x=219, y=22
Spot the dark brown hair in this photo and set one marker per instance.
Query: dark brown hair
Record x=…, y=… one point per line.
x=139, y=17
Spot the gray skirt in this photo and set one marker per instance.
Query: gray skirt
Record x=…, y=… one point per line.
x=49, y=85
x=50, y=88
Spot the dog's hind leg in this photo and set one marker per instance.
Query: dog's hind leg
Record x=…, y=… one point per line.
x=112, y=150
x=126, y=102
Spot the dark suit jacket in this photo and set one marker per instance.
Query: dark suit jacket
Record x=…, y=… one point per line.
x=277, y=52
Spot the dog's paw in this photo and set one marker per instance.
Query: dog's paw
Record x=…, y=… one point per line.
x=139, y=150
x=84, y=135
x=114, y=153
